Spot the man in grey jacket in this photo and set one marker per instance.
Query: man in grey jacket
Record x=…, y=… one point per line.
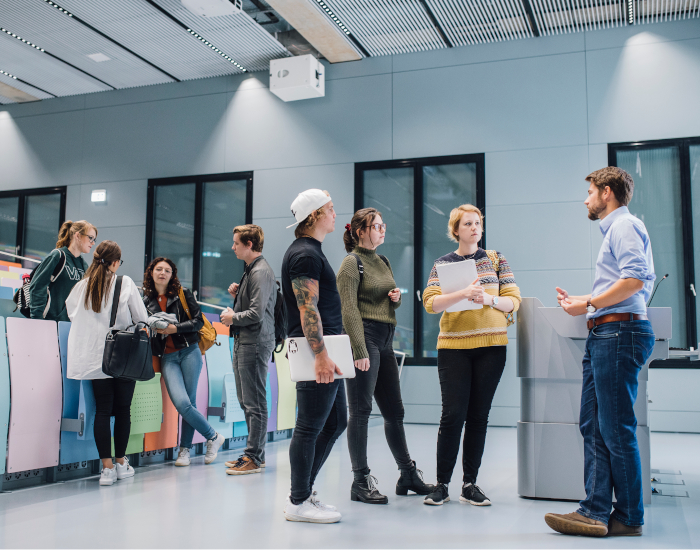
x=252, y=322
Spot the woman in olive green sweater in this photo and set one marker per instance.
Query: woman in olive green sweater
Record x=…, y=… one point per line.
x=369, y=301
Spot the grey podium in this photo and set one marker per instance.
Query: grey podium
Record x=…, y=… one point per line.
x=551, y=345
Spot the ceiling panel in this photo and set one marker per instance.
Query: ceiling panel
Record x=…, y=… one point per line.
x=43, y=71
x=386, y=27
x=31, y=90
x=655, y=11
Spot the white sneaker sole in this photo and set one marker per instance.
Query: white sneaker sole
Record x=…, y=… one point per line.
x=473, y=503
x=292, y=517
x=107, y=483
x=181, y=464
x=126, y=476
x=431, y=502
x=233, y=472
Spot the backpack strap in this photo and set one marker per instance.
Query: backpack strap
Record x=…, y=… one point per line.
x=360, y=267
x=183, y=301
x=115, y=301
x=384, y=259
x=59, y=266
x=493, y=256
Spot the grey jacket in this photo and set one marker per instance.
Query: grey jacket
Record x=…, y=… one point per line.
x=254, y=311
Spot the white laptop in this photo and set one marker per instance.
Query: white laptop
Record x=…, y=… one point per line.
x=301, y=357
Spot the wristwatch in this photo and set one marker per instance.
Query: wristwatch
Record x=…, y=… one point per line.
x=590, y=308
x=495, y=301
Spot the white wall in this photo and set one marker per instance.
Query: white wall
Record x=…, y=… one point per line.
x=543, y=110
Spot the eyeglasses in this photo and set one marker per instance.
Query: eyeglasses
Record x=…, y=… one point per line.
x=91, y=239
x=378, y=227
x=121, y=263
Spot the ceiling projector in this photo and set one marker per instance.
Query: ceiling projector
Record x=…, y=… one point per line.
x=213, y=8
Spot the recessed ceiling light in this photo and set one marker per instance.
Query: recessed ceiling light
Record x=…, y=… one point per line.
x=99, y=57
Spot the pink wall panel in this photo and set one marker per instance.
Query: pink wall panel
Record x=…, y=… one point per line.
x=202, y=400
x=36, y=394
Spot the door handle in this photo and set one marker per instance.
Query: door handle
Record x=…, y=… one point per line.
x=418, y=295
x=692, y=289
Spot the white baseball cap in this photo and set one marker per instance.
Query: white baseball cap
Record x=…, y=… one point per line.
x=307, y=202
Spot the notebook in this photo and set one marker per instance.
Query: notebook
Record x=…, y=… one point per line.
x=455, y=276
x=301, y=357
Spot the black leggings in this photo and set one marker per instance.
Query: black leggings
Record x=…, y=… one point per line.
x=468, y=382
x=112, y=398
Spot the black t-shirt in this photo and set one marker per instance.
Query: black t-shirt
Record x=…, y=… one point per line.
x=304, y=258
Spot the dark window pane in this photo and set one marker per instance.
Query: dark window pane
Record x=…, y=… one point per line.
x=444, y=187
x=42, y=216
x=173, y=235
x=391, y=192
x=9, y=207
x=695, y=193
x=224, y=209
x=657, y=202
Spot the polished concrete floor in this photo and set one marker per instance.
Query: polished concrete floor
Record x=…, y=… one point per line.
x=201, y=507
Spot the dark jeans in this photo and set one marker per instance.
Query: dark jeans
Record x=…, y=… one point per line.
x=250, y=369
x=112, y=398
x=468, y=382
x=382, y=381
x=321, y=417
x=615, y=353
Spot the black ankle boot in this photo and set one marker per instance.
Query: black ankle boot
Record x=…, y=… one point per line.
x=412, y=480
x=365, y=490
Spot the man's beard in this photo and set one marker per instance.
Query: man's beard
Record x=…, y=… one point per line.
x=594, y=212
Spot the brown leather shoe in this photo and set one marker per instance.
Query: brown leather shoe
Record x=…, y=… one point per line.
x=576, y=524
x=619, y=529
x=243, y=466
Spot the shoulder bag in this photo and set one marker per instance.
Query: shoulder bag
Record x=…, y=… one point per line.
x=207, y=334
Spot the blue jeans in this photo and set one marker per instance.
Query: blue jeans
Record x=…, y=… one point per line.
x=180, y=371
x=615, y=353
x=322, y=416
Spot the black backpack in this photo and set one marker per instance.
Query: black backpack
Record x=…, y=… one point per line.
x=22, y=298
x=280, y=320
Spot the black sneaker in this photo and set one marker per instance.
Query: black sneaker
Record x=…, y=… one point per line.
x=439, y=496
x=474, y=495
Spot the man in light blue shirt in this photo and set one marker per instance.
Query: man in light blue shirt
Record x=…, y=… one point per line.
x=619, y=343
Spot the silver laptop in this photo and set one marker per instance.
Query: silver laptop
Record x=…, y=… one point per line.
x=301, y=357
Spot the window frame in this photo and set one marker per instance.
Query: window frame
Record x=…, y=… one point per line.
x=683, y=145
x=22, y=194
x=199, y=182
x=418, y=194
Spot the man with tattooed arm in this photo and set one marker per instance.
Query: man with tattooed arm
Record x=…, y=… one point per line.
x=313, y=310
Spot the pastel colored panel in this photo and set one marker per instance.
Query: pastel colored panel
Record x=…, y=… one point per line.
x=213, y=317
x=10, y=264
x=202, y=400
x=287, y=394
x=240, y=429
x=11, y=283
x=147, y=407
x=6, y=293
x=9, y=275
x=218, y=366
x=220, y=328
x=272, y=396
x=4, y=393
x=134, y=445
x=233, y=411
x=20, y=270
x=167, y=436
x=73, y=447
x=35, y=416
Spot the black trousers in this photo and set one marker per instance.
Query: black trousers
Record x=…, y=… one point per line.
x=112, y=398
x=468, y=382
x=382, y=382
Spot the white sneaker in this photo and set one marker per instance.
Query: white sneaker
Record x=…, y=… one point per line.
x=328, y=507
x=213, y=446
x=109, y=476
x=183, y=457
x=124, y=471
x=310, y=511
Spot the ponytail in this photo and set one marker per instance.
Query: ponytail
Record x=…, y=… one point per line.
x=69, y=229
x=361, y=219
x=99, y=275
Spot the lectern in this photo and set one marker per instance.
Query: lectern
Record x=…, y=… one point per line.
x=551, y=345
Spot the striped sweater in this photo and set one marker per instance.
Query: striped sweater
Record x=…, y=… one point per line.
x=478, y=327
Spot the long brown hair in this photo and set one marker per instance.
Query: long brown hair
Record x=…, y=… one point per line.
x=149, y=285
x=99, y=275
x=360, y=220
x=69, y=229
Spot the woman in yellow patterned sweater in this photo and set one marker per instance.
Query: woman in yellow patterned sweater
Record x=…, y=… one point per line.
x=471, y=352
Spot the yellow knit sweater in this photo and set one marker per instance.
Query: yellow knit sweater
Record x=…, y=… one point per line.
x=475, y=328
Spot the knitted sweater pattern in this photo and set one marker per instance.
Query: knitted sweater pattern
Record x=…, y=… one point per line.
x=368, y=301
x=478, y=327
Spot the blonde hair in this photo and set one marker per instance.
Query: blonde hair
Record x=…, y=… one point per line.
x=456, y=217
x=69, y=229
x=305, y=226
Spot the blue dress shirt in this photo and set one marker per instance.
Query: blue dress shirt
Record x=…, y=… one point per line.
x=625, y=254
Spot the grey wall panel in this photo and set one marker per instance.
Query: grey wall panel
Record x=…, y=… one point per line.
x=73, y=203
x=420, y=386
x=525, y=113
x=352, y=123
x=176, y=137
x=622, y=81
x=542, y=283
x=597, y=158
x=514, y=230
x=132, y=241
x=276, y=189
x=125, y=206
x=674, y=421
x=41, y=151
x=366, y=67
x=537, y=176
x=49, y=106
x=422, y=414
x=508, y=391
x=504, y=417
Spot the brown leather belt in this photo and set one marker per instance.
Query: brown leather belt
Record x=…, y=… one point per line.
x=616, y=318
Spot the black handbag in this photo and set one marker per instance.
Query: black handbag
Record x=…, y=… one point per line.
x=127, y=354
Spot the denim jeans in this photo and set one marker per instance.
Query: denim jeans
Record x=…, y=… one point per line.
x=322, y=416
x=250, y=369
x=180, y=371
x=615, y=353
x=382, y=381
x=468, y=382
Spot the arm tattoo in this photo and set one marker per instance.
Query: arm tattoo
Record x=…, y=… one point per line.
x=306, y=292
